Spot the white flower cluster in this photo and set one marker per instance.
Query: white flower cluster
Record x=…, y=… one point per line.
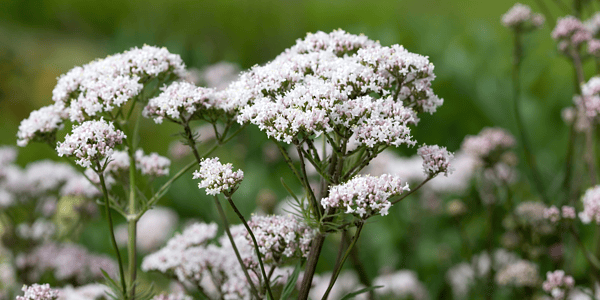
x=91, y=142
x=489, y=144
x=593, y=47
x=153, y=164
x=590, y=100
x=216, y=177
x=591, y=206
x=169, y=258
x=279, y=237
x=178, y=296
x=593, y=24
x=40, y=230
x=40, y=181
x=520, y=15
x=67, y=262
x=365, y=196
x=569, y=31
x=436, y=160
x=557, y=284
x=92, y=291
x=179, y=101
x=554, y=215
x=403, y=284
x=521, y=274
x=105, y=84
x=463, y=276
x=42, y=124
x=212, y=267
x=327, y=82
x=38, y=292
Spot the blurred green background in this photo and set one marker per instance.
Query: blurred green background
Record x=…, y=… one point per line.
x=471, y=51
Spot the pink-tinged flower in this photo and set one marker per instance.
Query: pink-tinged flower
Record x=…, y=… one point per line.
x=589, y=102
x=66, y=262
x=569, y=31
x=489, y=144
x=42, y=124
x=218, y=178
x=593, y=47
x=337, y=82
x=153, y=164
x=90, y=142
x=552, y=213
x=436, y=160
x=591, y=206
x=180, y=101
x=38, y=292
x=568, y=212
x=365, y=196
x=520, y=15
x=108, y=83
x=279, y=237
x=558, y=284
x=593, y=24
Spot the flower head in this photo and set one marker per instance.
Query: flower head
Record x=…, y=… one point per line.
x=570, y=32
x=279, y=237
x=489, y=144
x=522, y=273
x=180, y=101
x=218, y=178
x=520, y=15
x=38, y=292
x=152, y=164
x=337, y=82
x=365, y=196
x=557, y=284
x=105, y=84
x=42, y=125
x=436, y=160
x=591, y=205
x=90, y=142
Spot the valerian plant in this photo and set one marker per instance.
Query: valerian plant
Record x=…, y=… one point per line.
x=334, y=106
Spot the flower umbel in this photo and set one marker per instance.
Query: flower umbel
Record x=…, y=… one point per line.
x=365, y=196
x=91, y=142
x=218, y=178
x=38, y=292
x=436, y=160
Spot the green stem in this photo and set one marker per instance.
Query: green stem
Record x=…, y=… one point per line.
x=339, y=269
x=412, y=191
x=235, y=249
x=132, y=225
x=260, y=262
x=112, y=231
